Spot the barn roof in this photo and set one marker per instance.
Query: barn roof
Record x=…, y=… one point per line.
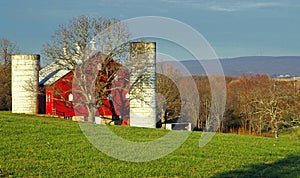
x=53, y=72
x=50, y=74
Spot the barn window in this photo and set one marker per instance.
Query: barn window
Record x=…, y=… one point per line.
x=70, y=97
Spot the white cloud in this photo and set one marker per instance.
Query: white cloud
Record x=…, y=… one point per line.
x=242, y=6
x=228, y=5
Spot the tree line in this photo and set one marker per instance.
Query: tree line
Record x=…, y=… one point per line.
x=255, y=103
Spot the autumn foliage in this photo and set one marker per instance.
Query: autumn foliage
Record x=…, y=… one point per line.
x=256, y=104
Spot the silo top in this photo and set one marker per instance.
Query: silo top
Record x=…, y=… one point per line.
x=25, y=59
x=26, y=56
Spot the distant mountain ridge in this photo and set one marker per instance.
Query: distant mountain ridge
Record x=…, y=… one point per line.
x=270, y=65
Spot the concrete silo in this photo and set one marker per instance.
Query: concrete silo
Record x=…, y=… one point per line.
x=24, y=83
x=143, y=84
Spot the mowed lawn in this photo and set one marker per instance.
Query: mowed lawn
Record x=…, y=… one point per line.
x=34, y=146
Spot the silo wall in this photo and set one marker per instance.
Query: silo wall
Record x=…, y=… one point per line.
x=24, y=83
x=143, y=101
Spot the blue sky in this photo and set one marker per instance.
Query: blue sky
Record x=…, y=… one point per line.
x=232, y=27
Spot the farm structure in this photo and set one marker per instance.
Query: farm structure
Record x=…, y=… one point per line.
x=52, y=90
x=57, y=96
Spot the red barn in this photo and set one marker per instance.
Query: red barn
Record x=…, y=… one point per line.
x=60, y=99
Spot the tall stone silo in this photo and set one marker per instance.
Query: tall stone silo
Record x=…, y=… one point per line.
x=143, y=84
x=24, y=83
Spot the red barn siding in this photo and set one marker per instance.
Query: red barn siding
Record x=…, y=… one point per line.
x=57, y=96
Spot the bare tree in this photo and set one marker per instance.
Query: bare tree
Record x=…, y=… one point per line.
x=5, y=87
x=205, y=101
x=262, y=103
x=74, y=42
x=7, y=48
x=96, y=50
x=168, y=97
x=178, y=97
x=86, y=45
x=275, y=104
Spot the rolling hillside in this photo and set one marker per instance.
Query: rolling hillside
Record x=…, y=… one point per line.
x=273, y=66
x=34, y=146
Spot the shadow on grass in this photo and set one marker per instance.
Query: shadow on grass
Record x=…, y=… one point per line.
x=287, y=167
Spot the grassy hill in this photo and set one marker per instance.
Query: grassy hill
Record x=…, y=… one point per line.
x=51, y=147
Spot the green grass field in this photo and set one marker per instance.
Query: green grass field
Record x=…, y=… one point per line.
x=51, y=147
